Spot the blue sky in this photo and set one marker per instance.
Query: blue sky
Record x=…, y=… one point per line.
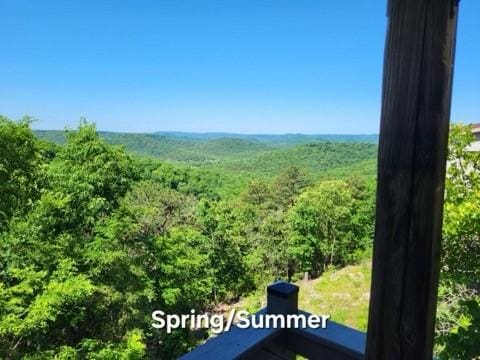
x=251, y=66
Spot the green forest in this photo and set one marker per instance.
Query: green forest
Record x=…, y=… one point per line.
x=99, y=229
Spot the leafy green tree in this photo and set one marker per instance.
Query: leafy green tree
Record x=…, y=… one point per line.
x=19, y=168
x=274, y=246
x=156, y=208
x=227, y=249
x=257, y=193
x=89, y=169
x=190, y=181
x=289, y=184
x=461, y=229
x=51, y=293
x=320, y=223
x=261, y=217
x=461, y=342
x=184, y=275
x=363, y=219
x=458, y=317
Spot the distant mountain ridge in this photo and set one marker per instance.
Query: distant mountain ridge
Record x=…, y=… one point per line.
x=274, y=139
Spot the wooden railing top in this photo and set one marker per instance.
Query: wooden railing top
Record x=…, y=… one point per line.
x=335, y=342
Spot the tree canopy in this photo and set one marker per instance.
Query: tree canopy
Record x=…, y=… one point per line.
x=94, y=238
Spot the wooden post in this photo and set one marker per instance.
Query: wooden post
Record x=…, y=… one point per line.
x=282, y=298
x=417, y=83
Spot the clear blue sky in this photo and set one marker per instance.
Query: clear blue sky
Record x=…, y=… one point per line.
x=253, y=66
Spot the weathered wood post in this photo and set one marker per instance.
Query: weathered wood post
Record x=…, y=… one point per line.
x=417, y=83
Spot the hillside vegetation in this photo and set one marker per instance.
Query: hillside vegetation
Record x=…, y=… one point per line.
x=250, y=156
x=315, y=158
x=94, y=237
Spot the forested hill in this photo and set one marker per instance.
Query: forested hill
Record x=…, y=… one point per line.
x=172, y=148
x=250, y=155
x=315, y=158
x=186, y=138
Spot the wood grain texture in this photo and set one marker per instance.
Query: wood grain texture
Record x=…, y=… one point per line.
x=417, y=83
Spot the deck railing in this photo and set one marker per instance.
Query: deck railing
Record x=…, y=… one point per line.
x=335, y=342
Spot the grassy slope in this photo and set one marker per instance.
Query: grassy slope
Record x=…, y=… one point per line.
x=343, y=294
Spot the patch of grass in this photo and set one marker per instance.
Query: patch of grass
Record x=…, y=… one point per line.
x=343, y=294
